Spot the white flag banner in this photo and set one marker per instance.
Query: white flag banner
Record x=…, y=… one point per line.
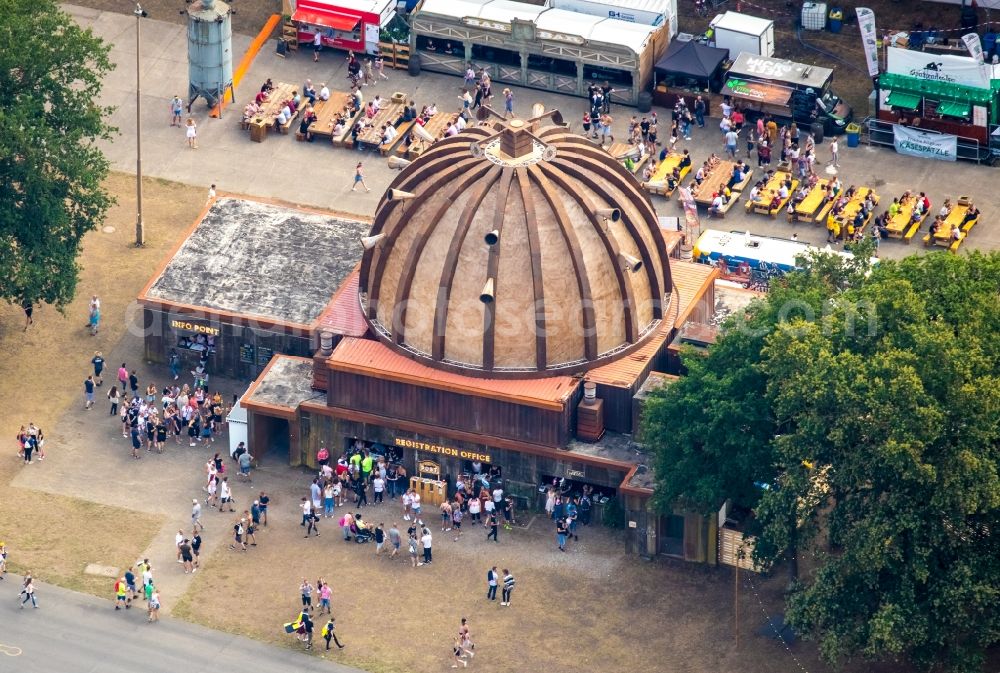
x=974, y=46
x=938, y=67
x=925, y=145
x=866, y=22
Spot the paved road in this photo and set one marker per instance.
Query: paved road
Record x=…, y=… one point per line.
x=76, y=633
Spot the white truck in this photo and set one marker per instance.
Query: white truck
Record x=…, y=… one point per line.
x=649, y=12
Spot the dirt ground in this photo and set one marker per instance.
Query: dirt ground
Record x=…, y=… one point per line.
x=249, y=16
x=43, y=371
x=591, y=608
x=843, y=50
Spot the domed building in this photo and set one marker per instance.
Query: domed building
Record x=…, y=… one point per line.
x=515, y=250
x=515, y=298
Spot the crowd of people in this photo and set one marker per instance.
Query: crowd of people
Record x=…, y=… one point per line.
x=150, y=417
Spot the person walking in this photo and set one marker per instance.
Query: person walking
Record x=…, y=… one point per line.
x=425, y=541
x=412, y=546
x=113, y=397
x=311, y=523
x=561, y=532
x=508, y=587
x=494, y=526
x=28, y=592
x=379, y=539
x=123, y=378
x=196, y=515
x=187, y=558
x=88, y=392
x=154, y=605
x=359, y=177
x=176, y=104
x=121, y=594
x=834, y=153
x=317, y=45
x=465, y=637
x=508, y=103
x=263, y=500
x=394, y=539
x=174, y=362
x=492, y=580
x=192, y=134
x=98, y=362
x=225, y=495
x=325, y=592
x=328, y=632
x=732, y=138
x=306, y=590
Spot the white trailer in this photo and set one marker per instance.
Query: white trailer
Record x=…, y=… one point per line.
x=649, y=12
x=743, y=33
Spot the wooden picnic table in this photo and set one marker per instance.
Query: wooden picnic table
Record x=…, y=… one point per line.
x=268, y=113
x=327, y=112
x=371, y=136
x=435, y=126
x=657, y=183
x=852, y=207
x=721, y=172
x=808, y=206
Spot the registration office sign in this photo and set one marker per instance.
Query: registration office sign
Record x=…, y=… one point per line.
x=441, y=450
x=926, y=145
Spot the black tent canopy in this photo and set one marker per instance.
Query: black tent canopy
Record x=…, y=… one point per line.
x=691, y=59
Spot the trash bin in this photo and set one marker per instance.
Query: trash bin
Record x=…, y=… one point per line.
x=817, y=131
x=853, y=135
x=836, y=19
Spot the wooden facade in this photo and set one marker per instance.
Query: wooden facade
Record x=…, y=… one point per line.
x=241, y=351
x=465, y=413
x=523, y=37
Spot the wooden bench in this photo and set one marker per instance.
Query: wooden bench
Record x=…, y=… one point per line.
x=269, y=111
x=371, y=136
x=806, y=208
x=762, y=206
x=435, y=127
x=966, y=228
x=721, y=212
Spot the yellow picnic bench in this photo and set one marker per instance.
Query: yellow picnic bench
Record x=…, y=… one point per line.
x=902, y=225
x=955, y=218
x=763, y=204
x=807, y=207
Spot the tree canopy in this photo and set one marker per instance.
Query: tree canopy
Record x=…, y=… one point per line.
x=857, y=416
x=51, y=193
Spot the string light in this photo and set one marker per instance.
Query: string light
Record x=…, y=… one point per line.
x=770, y=621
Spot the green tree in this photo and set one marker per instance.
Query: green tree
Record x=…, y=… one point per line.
x=51, y=192
x=870, y=406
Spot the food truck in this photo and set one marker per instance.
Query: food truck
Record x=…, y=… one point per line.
x=787, y=91
x=538, y=47
x=344, y=24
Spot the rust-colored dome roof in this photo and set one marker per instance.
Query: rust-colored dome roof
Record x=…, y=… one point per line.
x=515, y=250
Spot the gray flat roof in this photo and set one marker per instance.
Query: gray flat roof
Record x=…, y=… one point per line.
x=611, y=446
x=287, y=383
x=259, y=259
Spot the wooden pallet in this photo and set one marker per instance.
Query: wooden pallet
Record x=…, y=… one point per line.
x=395, y=55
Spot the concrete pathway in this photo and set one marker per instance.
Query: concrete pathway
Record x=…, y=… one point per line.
x=76, y=633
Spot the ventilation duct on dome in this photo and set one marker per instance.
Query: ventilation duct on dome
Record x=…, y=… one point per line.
x=369, y=242
x=398, y=195
x=613, y=214
x=492, y=238
x=486, y=296
x=629, y=263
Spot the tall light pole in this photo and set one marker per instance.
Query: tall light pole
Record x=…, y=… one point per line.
x=140, y=234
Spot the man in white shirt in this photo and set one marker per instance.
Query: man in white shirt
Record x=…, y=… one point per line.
x=460, y=123
x=389, y=134
x=377, y=103
x=425, y=542
x=282, y=118
x=783, y=191
x=452, y=130
x=225, y=495
x=497, y=496
x=324, y=92
x=717, y=203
